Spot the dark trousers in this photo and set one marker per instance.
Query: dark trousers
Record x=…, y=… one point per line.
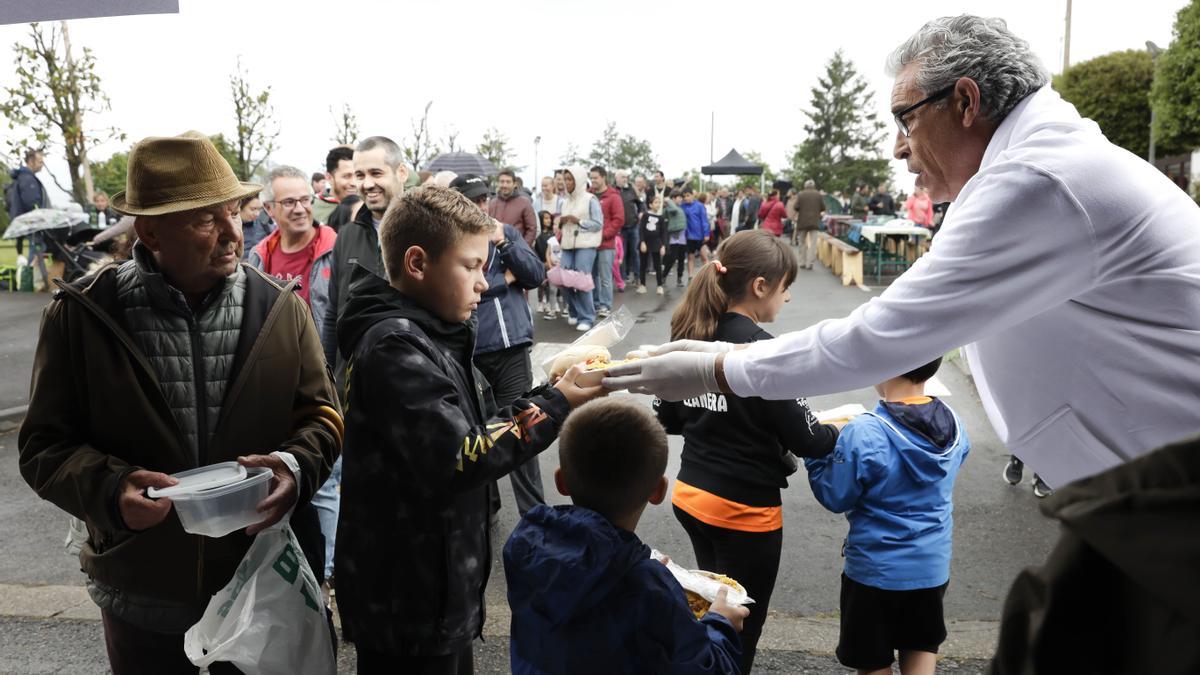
x=134, y=651
x=461, y=663
x=653, y=246
x=510, y=373
x=750, y=558
x=629, y=266
x=676, y=253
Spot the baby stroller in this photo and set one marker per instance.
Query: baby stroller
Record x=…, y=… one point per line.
x=72, y=248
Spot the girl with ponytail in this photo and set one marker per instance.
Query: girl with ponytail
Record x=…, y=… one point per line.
x=738, y=452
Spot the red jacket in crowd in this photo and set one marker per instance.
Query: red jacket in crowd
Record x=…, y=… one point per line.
x=771, y=215
x=614, y=216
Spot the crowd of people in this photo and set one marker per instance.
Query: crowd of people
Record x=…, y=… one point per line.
x=373, y=352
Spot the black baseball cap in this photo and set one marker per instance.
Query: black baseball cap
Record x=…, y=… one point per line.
x=471, y=186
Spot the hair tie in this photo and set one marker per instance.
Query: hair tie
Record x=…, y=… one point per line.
x=721, y=269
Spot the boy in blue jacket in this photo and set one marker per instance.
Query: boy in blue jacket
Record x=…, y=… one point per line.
x=892, y=473
x=586, y=596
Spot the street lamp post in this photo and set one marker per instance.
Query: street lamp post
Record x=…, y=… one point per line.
x=1154, y=50
x=537, y=140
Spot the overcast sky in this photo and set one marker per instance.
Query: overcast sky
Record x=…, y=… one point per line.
x=559, y=70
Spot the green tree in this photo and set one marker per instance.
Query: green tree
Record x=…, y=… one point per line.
x=494, y=147
x=843, y=146
x=571, y=156
x=5, y=179
x=1114, y=91
x=420, y=148
x=225, y=148
x=256, y=129
x=109, y=175
x=50, y=101
x=616, y=151
x=1175, y=94
x=345, y=126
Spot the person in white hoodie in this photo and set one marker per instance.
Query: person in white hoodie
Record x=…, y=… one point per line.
x=1068, y=266
x=581, y=223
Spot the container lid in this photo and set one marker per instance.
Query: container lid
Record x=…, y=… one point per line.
x=204, y=478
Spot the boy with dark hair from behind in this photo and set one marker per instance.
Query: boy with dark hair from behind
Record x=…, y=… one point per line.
x=586, y=596
x=424, y=441
x=892, y=473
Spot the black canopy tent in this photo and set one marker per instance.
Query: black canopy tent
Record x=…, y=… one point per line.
x=733, y=164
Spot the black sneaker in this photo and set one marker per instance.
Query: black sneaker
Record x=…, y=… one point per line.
x=1040, y=489
x=1014, y=470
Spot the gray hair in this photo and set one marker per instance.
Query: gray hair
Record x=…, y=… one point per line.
x=281, y=171
x=810, y=184
x=1002, y=64
x=392, y=155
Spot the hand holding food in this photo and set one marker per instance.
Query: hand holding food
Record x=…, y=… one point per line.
x=736, y=614
x=574, y=391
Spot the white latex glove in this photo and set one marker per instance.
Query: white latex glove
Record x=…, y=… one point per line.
x=683, y=346
x=674, y=376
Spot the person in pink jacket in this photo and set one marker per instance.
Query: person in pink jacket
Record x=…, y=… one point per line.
x=772, y=213
x=919, y=208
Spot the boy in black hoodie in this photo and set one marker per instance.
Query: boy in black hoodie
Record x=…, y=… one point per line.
x=424, y=442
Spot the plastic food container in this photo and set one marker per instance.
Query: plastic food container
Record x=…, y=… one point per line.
x=217, y=511
x=194, y=480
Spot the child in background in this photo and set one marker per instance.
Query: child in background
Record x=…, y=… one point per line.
x=676, y=236
x=618, y=257
x=653, y=236
x=541, y=246
x=892, y=473
x=738, y=452
x=586, y=596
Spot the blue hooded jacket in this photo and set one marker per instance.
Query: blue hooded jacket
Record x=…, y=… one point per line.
x=892, y=473
x=697, y=221
x=504, y=317
x=587, y=598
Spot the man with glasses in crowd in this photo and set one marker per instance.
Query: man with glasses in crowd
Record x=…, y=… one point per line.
x=301, y=248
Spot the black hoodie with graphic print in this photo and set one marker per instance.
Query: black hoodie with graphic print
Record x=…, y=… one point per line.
x=424, y=444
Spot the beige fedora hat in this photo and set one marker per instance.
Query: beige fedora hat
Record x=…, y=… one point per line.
x=168, y=174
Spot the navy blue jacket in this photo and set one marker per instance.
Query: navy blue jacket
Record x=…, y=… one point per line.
x=28, y=193
x=504, y=317
x=586, y=597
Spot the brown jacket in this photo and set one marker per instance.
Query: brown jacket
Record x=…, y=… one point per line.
x=517, y=211
x=97, y=413
x=805, y=209
x=1120, y=592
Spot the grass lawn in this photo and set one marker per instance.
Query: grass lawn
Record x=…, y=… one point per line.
x=8, y=252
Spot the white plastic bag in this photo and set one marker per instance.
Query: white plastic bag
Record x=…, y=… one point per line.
x=269, y=618
x=605, y=334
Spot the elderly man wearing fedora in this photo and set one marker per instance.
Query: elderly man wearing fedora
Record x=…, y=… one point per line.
x=181, y=357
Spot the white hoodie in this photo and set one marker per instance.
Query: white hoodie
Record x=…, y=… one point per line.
x=1070, y=267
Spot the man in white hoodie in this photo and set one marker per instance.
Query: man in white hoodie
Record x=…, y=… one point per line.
x=1070, y=268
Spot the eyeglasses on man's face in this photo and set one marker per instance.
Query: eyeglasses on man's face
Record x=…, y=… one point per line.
x=902, y=124
x=291, y=202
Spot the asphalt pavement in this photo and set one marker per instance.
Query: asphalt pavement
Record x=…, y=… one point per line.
x=47, y=624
